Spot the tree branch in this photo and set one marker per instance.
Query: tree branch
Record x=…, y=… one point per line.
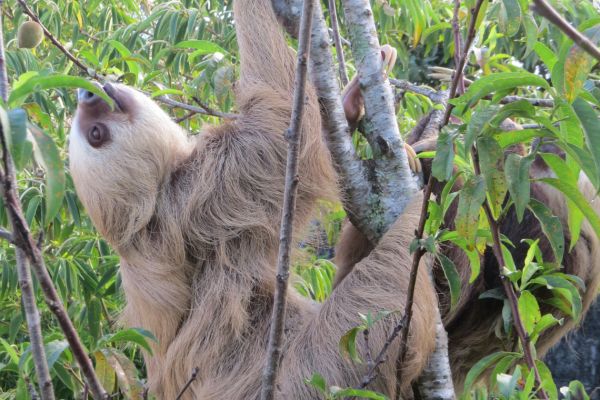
x=271, y=368
x=339, y=51
x=185, y=387
x=543, y=8
x=35, y=328
x=350, y=169
x=391, y=178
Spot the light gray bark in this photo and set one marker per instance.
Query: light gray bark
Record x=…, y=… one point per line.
x=34, y=326
x=391, y=177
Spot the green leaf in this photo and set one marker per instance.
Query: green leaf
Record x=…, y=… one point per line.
x=482, y=365
x=510, y=17
x=491, y=161
x=47, y=155
x=452, y=277
x=551, y=226
x=318, y=382
x=54, y=350
x=480, y=119
x=546, y=54
x=443, y=163
x=126, y=373
x=516, y=170
x=132, y=335
x=547, y=321
x=106, y=375
x=20, y=147
x=529, y=310
x=578, y=199
x=348, y=345
x=589, y=121
x=470, y=199
x=577, y=66
x=43, y=82
x=357, y=393
x=499, y=82
x=547, y=381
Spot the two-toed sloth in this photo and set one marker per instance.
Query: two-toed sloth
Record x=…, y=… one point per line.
x=195, y=220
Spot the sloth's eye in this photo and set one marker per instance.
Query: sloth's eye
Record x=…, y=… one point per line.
x=98, y=136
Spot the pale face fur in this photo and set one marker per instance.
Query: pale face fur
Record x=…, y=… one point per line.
x=129, y=168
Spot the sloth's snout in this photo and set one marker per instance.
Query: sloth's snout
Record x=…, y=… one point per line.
x=84, y=96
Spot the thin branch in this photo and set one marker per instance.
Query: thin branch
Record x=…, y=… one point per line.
x=93, y=74
x=434, y=95
x=6, y=235
x=185, y=387
x=34, y=325
x=458, y=76
x=271, y=367
x=543, y=8
x=337, y=40
x=197, y=110
x=457, y=42
x=509, y=289
x=381, y=357
x=411, y=285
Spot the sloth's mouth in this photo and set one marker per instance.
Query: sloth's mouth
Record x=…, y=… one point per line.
x=112, y=91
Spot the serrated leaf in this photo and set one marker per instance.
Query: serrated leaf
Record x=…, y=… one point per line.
x=43, y=82
x=516, y=170
x=551, y=226
x=491, y=161
x=452, y=277
x=470, y=199
x=48, y=156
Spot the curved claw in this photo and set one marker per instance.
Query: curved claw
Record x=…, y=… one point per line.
x=413, y=160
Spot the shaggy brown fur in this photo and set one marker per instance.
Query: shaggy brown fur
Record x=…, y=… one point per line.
x=195, y=220
x=474, y=324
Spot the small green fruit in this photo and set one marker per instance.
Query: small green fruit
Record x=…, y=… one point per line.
x=30, y=35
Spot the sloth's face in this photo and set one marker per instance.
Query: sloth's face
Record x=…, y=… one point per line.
x=120, y=157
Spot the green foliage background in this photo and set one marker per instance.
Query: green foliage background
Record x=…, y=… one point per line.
x=187, y=49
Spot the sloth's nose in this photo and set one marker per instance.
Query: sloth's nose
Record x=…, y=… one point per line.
x=85, y=96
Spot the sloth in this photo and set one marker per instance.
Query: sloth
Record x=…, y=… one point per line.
x=195, y=221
